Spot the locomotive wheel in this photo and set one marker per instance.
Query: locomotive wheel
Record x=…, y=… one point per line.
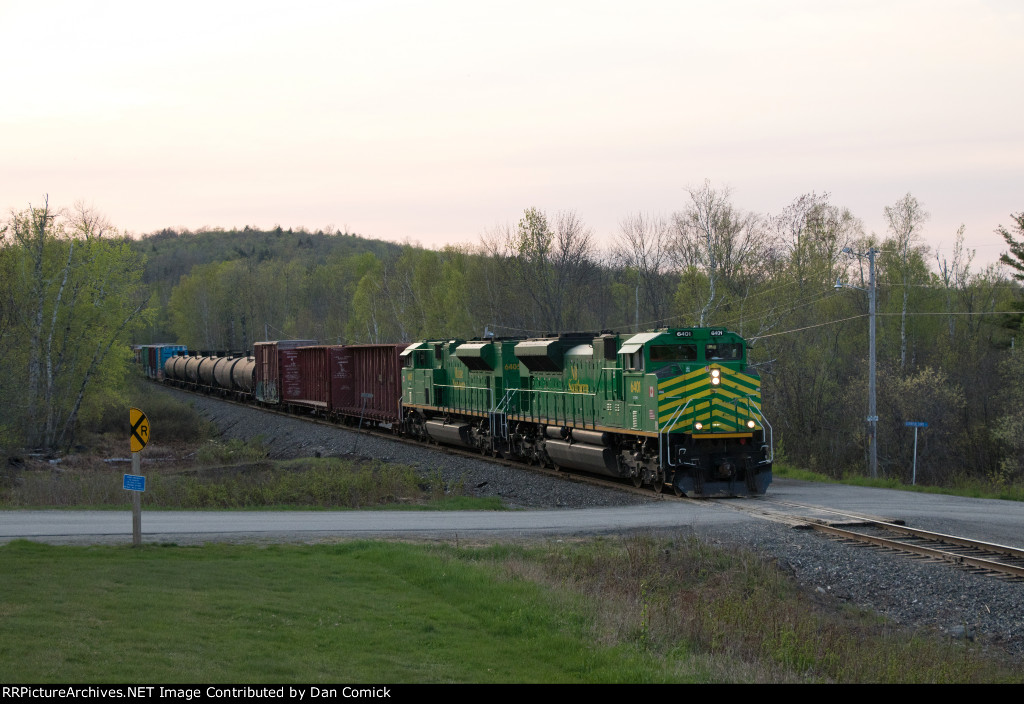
x=677, y=490
x=658, y=482
x=638, y=479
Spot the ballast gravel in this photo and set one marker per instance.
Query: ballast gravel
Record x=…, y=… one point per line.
x=907, y=591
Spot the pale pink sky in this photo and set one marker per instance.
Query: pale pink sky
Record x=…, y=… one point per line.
x=435, y=121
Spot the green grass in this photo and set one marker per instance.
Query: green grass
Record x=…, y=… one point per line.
x=358, y=612
x=607, y=610
x=253, y=483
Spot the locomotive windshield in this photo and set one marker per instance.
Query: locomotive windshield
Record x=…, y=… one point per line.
x=673, y=353
x=724, y=351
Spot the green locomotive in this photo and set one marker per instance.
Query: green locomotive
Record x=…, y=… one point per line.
x=674, y=408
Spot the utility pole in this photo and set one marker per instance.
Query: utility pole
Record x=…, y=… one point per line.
x=872, y=292
x=872, y=405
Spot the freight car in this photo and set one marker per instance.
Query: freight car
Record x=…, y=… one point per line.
x=675, y=408
x=344, y=383
x=227, y=374
x=152, y=358
x=672, y=409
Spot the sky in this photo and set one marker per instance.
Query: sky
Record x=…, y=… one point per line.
x=434, y=122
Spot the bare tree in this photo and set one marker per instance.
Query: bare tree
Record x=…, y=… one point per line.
x=955, y=275
x=642, y=245
x=812, y=232
x=723, y=243
x=905, y=219
x=552, y=266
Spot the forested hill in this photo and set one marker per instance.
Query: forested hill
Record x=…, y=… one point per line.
x=171, y=254
x=797, y=285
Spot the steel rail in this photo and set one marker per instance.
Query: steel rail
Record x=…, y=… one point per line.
x=431, y=445
x=763, y=508
x=758, y=509
x=903, y=546
x=981, y=563
x=1007, y=550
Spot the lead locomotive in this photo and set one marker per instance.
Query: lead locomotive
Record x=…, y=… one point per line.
x=675, y=408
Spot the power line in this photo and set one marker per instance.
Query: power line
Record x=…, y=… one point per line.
x=990, y=312
x=891, y=315
x=787, y=332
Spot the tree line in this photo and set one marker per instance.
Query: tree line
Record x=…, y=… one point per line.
x=946, y=328
x=71, y=297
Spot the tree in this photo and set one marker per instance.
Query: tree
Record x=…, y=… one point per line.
x=955, y=276
x=552, y=266
x=905, y=219
x=1015, y=257
x=642, y=245
x=75, y=294
x=719, y=250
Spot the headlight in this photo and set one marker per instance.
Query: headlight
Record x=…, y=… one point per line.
x=716, y=373
x=750, y=424
x=715, y=381
x=698, y=426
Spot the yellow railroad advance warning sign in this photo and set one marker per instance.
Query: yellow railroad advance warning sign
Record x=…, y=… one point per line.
x=140, y=429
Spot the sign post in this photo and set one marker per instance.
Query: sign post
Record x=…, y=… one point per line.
x=134, y=482
x=915, y=424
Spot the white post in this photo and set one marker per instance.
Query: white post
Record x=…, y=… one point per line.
x=136, y=505
x=913, y=476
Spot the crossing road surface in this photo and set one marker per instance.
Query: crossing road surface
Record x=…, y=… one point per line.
x=997, y=521
x=206, y=526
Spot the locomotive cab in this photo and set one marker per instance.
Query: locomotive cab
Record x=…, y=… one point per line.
x=703, y=407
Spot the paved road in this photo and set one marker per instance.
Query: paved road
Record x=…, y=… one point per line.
x=983, y=519
x=199, y=526
x=999, y=521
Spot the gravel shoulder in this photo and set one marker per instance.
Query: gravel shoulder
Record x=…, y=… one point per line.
x=907, y=591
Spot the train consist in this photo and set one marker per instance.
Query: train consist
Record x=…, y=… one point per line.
x=676, y=409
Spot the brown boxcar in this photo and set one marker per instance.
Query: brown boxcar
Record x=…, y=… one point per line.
x=271, y=372
x=366, y=374
x=304, y=376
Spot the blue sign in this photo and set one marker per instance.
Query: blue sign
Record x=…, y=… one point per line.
x=916, y=424
x=133, y=482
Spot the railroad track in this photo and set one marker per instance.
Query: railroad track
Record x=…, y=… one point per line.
x=975, y=555
x=979, y=556
x=564, y=474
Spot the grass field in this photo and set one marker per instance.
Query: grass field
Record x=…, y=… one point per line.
x=629, y=610
x=604, y=610
x=251, y=482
